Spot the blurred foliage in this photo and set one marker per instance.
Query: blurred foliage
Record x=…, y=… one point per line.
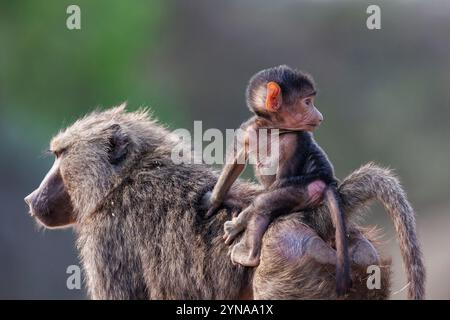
x=385, y=94
x=50, y=73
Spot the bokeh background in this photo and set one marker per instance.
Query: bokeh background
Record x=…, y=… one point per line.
x=384, y=94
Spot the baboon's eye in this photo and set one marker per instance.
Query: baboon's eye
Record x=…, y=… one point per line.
x=119, y=143
x=59, y=152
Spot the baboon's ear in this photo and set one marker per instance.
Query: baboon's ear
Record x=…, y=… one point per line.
x=118, y=144
x=273, y=98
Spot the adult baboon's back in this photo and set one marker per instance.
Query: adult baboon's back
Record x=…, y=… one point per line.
x=142, y=233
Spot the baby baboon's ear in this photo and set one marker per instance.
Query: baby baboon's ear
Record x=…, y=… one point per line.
x=118, y=144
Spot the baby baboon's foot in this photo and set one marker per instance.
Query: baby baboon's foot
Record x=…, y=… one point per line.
x=243, y=255
x=232, y=228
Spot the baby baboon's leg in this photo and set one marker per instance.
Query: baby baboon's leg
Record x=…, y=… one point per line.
x=258, y=216
x=247, y=251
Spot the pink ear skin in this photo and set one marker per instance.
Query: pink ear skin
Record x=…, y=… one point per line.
x=273, y=98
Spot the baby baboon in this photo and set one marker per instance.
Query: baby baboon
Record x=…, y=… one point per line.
x=142, y=235
x=282, y=98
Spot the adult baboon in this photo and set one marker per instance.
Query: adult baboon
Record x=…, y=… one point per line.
x=141, y=233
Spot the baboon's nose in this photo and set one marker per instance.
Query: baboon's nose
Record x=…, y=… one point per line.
x=320, y=118
x=27, y=199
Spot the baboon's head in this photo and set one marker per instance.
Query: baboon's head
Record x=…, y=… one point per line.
x=91, y=156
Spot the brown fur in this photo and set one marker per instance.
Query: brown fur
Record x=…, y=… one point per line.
x=317, y=281
x=374, y=183
x=141, y=233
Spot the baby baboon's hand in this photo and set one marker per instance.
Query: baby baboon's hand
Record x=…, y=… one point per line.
x=212, y=210
x=232, y=228
x=206, y=203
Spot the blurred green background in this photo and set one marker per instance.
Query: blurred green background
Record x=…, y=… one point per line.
x=384, y=94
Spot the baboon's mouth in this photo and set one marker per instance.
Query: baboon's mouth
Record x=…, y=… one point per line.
x=311, y=127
